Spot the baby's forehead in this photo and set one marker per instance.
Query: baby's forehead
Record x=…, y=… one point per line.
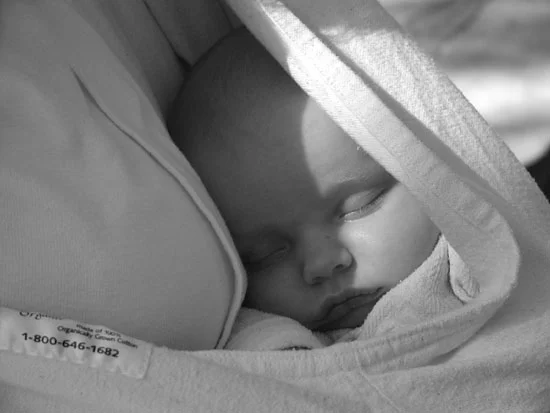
x=264, y=118
x=254, y=109
x=285, y=127
x=295, y=138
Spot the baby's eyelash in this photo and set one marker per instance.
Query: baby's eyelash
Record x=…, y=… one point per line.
x=367, y=208
x=259, y=263
x=379, y=198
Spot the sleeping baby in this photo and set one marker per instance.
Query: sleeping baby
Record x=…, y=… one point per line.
x=324, y=232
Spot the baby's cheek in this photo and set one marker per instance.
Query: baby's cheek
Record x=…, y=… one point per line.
x=391, y=243
x=421, y=239
x=256, y=292
x=270, y=288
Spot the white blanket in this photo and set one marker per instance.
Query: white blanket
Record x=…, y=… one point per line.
x=490, y=355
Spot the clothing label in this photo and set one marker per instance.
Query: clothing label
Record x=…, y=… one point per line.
x=38, y=334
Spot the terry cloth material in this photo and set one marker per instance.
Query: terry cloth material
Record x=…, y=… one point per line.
x=440, y=284
x=491, y=354
x=256, y=330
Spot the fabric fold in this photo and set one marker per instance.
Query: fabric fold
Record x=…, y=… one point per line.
x=488, y=351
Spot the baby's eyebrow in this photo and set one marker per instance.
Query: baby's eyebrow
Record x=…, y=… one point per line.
x=370, y=179
x=345, y=188
x=246, y=243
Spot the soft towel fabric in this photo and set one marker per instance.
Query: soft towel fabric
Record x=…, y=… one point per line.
x=491, y=354
x=256, y=330
x=441, y=284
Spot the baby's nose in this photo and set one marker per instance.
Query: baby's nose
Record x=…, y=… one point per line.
x=324, y=259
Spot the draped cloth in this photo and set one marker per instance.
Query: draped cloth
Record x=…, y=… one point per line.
x=491, y=354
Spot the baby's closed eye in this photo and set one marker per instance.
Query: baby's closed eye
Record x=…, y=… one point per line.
x=264, y=255
x=361, y=203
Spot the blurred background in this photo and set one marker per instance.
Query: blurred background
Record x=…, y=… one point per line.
x=498, y=53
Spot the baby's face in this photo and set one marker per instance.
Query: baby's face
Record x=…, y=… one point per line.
x=323, y=230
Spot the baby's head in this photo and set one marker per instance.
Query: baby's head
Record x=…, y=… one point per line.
x=323, y=230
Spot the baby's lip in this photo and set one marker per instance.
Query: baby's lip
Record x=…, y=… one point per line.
x=338, y=306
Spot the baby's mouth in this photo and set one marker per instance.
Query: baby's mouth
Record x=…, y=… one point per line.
x=336, y=309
